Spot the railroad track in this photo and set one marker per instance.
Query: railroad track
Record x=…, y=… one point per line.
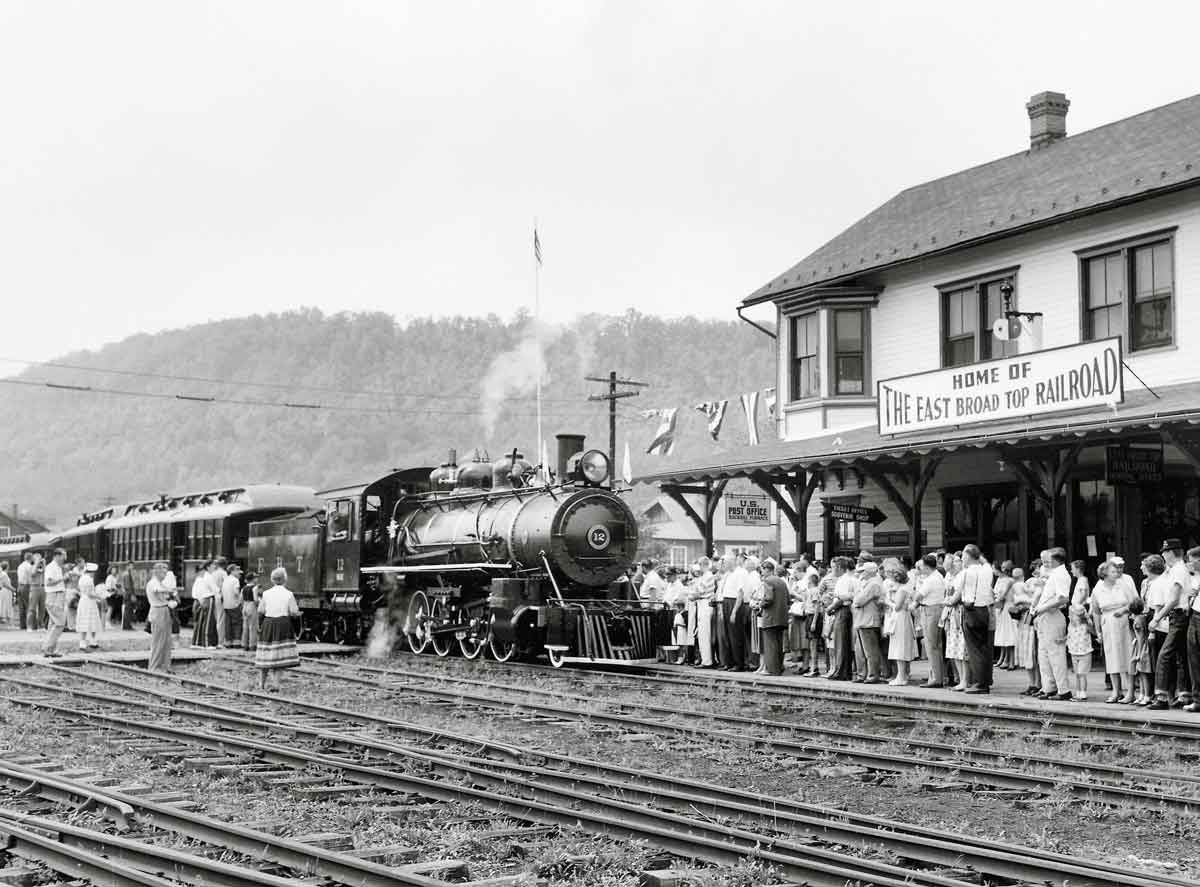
x=776, y=819
x=1061, y=720
x=52, y=837
x=1104, y=782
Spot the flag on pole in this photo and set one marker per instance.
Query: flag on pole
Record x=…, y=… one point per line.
x=664, y=438
x=627, y=466
x=714, y=410
x=750, y=405
x=537, y=247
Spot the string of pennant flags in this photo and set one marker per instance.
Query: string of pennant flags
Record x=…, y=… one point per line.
x=715, y=411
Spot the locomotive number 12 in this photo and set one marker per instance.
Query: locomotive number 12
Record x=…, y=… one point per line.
x=598, y=537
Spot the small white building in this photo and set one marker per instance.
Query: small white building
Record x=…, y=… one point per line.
x=745, y=521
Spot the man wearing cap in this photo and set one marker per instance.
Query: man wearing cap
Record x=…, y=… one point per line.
x=977, y=599
x=56, y=602
x=1172, y=684
x=867, y=615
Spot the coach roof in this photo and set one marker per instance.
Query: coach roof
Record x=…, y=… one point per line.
x=1151, y=153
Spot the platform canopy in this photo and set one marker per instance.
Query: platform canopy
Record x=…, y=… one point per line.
x=1041, y=452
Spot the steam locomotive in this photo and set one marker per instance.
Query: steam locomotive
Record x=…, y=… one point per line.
x=482, y=556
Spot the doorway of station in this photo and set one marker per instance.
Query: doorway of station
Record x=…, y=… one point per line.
x=1002, y=519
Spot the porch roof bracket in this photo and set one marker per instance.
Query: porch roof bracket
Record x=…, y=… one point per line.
x=683, y=503
x=785, y=507
x=893, y=493
x=715, y=492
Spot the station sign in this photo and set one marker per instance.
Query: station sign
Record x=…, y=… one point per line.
x=747, y=511
x=1133, y=466
x=1024, y=385
x=848, y=511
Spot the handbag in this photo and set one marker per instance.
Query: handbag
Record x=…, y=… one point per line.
x=889, y=624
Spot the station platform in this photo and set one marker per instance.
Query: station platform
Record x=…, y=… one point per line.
x=25, y=648
x=1007, y=687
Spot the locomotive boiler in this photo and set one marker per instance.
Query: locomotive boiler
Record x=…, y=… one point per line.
x=499, y=557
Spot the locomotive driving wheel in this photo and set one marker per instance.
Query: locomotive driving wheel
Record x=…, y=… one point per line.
x=416, y=622
x=471, y=646
x=503, y=651
x=442, y=644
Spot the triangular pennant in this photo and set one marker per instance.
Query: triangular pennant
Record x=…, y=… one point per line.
x=714, y=411
x=750, y=405
x=664, y=438
x=627, y=466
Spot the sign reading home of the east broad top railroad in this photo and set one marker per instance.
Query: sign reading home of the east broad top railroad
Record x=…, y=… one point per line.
x=747, y=511
x=1033, y=384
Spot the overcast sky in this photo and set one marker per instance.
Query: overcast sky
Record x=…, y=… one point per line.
x=163, y=164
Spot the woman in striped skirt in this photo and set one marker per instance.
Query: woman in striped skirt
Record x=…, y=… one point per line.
x=276, y=639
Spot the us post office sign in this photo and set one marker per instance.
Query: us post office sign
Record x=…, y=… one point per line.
x=1040, y=382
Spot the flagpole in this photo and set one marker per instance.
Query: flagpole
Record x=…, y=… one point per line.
x=537, y=334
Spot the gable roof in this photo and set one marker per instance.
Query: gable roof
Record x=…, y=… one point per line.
x=1142, y=156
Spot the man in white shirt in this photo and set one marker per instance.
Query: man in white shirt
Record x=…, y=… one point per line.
x=1051, y=626
x=24, y=579
x=735, y=608
x=1171, y=679
x=218, y=577
x=977, y=600
x=931, y=595
x=1193, y=633
x=653, y=585
x=56, y=602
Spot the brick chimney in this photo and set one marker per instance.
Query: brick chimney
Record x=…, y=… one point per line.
x=1047, y=119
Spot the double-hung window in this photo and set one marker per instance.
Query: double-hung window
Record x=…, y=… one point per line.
x=806, y=374
x=1128, y=290
x=849, y=351
x=969, y=310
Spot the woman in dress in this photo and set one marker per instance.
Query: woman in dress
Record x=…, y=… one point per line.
x=6, y=595
x=898, y=625
x=952, y=620
x=87, y=612
x=1006, y=626
x=162, y=598
x=277, y=639
x=1110, y=603
x=1022, y=609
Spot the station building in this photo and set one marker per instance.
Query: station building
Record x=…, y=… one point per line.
x=1008, y=356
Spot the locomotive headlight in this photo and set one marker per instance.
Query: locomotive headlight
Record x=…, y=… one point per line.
x=594, y=467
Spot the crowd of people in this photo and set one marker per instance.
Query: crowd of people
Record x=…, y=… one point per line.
x=867, y=620
x=227, y=605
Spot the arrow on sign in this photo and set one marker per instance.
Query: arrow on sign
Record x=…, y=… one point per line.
x=847, y=512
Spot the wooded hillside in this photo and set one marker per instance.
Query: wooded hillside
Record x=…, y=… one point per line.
x=401, y=395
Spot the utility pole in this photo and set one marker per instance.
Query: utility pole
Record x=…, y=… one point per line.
x=612, y=397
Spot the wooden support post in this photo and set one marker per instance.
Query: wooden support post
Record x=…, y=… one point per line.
x=712, y=500
x=1046, y=479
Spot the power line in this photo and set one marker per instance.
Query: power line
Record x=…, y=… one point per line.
x=372, y=392
x=249, y=402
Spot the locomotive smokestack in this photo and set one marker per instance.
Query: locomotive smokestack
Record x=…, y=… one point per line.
x=568, y=446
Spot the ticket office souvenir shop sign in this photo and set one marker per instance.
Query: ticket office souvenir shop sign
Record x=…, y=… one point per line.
x=1040, y=382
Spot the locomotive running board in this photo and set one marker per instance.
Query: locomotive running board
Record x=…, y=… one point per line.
x=587, y=660
x=437, y=568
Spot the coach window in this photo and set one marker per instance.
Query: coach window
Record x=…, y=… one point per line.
x=969, y=310
x=849, y=351
x=1128, y=291
x=805, y=344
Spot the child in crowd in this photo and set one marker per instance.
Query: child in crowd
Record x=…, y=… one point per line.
x=1139, y=658
x=1079, y=645
x=679, y=631
x=814, y=615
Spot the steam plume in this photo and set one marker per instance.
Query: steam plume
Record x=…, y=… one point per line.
x=515, y=372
